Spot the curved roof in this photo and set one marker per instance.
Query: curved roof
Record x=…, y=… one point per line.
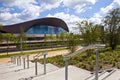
x=16, y=28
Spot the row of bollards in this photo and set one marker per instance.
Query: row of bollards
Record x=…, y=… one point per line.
x=17, y=60
x=25, y=59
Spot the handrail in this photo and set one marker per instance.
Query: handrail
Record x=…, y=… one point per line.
x=84, y=49
x=38, y=55
x=66, y=57
x=36, y=60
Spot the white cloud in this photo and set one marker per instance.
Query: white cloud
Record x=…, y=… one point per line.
x=50, y=4
x=5, y=16
x=71, y=20
x=27, y=10
x=103, y=11
x=78, y=5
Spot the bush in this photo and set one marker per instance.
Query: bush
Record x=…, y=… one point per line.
x=109, y=58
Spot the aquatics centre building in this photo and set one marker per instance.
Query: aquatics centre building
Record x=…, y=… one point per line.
x=38, y=27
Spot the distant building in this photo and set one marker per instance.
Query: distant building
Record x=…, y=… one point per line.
x=38, y=27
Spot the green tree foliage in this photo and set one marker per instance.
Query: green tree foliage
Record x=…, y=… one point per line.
x=89, y=32
x=22, y=39
x=62, y=36
x=112, y=25
x=8, y=38
x=72, y=42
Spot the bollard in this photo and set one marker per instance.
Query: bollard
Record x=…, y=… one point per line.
x=28, y=61
x=24, y=62
x=17, y=61
x=97, y=68
x=66, y=68
x=36, y=66
x=12, y=59
x=45, y=62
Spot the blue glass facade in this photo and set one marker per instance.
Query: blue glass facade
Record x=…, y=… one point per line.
x=44, y=29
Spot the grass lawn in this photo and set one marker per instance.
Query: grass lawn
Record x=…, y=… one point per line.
x=33, y=52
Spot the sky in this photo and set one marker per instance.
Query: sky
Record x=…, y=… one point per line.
x=71, y=11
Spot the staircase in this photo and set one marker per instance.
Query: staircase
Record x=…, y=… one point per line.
x=11, y=71
x=37, y=71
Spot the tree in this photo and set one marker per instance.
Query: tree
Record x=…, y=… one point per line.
x=23, y=39
x=112, y=24
x=62, y=38
x=88, y=32
x=7, y=37
x=72, y=42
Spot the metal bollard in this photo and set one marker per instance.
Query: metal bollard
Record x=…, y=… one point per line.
x=17, y=61
x=28, y=61
x=45, y=62
x=24, y=62
x=12, y=59
x=36, y=66
x=97, y=67
x=66, y=68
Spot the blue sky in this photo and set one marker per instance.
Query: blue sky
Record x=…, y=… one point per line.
x=71, y=11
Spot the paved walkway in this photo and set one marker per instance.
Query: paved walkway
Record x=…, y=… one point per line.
x=50, y=54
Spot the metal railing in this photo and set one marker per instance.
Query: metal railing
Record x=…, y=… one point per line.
x=36, y=61
x=67, y=56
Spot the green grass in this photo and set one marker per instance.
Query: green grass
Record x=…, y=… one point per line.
x=34, y=52
x=107, y=59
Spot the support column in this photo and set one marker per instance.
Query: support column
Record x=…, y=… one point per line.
x=97, y=67
x=45, y=62
x=66, y=68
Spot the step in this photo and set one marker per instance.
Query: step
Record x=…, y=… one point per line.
x=114, y=75
x=26, y=73
x=104, y=75
x=73, y=72
x=13, y=70
x=14, y=67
